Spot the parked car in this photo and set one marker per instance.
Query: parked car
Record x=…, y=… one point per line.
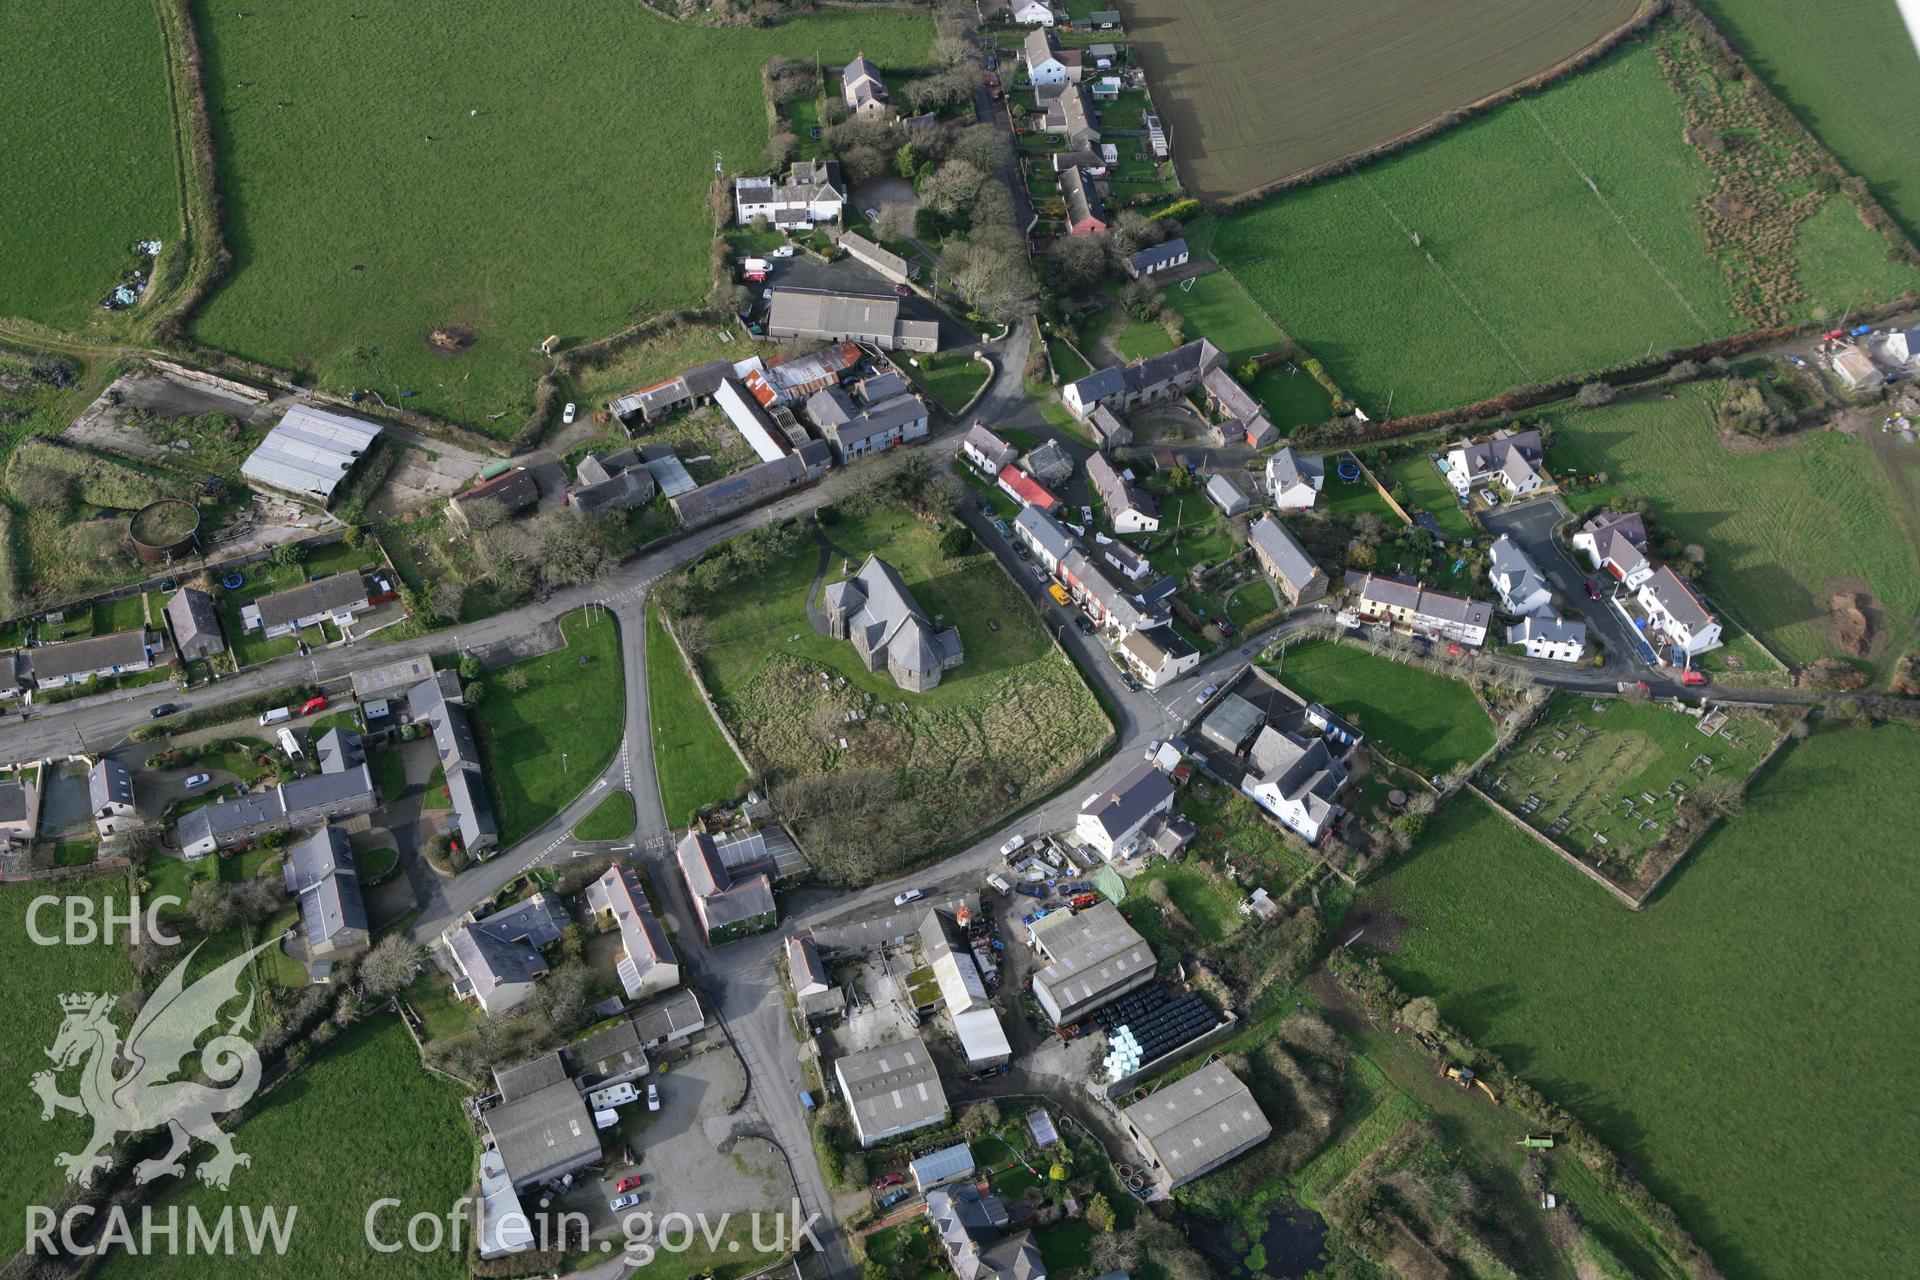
x=1491, y=498
x=1014, y=844
x=629, y=1183
x=1593, y=590
x=1693, y=675
x=993, y=63
x=653, y=1097
x=1153, y=748
x=1004, y=529
x=620, y=1204
x=903, y=290
x=911, y=895
x=1132, y=684
x=1031, y=890
x=999, y=884
x=1224, y=627
x=164, y=709
x=566, y=414
x=1082, y=901
x=886, y=1180
x=784, y=251
x=314, y=704
x=1085, y=624
x=1021, y=552
x=198, y=780
x=1206, y=693
x=894, y=1197
x=276, y=715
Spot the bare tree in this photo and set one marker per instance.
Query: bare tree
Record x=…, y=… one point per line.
x=895, y=221
x=1077, y=262
x=1719, y=795
x=984, y=147
x=390, y=966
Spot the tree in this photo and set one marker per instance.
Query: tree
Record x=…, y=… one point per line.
x=981, y=1117
x=1099, y=1213
x=955, y=539
x=864, y=163
x=470, y=668
x=567, y=997
x=513, y=679
x=1076, y=263
x=289, y=553
x=1421, y=1014
x=780, y=148
x=1719, y=796
x=1133, y=231
x=951, y=51
x=259, y=897
x=895, y=221
x=1594, y=394
x=1056, y=1172
x=393, y=963
x=983, y=146
x=572, y=551
x=953, y=187
x=209, y=907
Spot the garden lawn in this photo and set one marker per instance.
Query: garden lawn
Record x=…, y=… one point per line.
x=1421, y=488
x=950, y=380
x=1521, y=272
x=1192, y=531
x=88, y=166
x=1011, y=723
x=1426, y=721
x=547, y=742
x=263, y=578
x=420, y=169
x=1784, y=528
x=417, y=1148
x=1743, y=1042
x=36, y=978
x=692, y=760
x=610, y=819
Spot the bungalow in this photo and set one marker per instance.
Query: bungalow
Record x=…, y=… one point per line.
x=437, y=704
x=1100, y=596
x=1069, y=116
x=865, y=93
x=645, y=961
x=1677, y=618
x=195, y=624
x=1121, y=558
x=110, y=798
x=1520, y=585
x=1050, y=463
x=1855, y=371
x=1047, y=62
x=1129, y=507
x=1511, y=459
x=303, y=802
x=76, y=661
x=1086, y=210
x=812, y=193
x=497, y=958
x=987, y=452
x=1111, y=818
x=1156, y=258
x=1157, y=656
x=1033, y=13
x=507, y=494
x=1545, y=635
x=1044, y=536
x=1423, y=612
x=1297, y=778
x=1023, y=488
x=1617, y=543
x=1157, y=378
x=1109, y=429
x=1294, y=573
x=1223, y=493
x=1078, y=158
x=1294, y=480
x=337, y=598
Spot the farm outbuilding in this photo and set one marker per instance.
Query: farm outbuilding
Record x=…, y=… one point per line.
x=310, y=452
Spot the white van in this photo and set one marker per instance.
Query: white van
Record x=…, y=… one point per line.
x=999, y=884
x=276, y=715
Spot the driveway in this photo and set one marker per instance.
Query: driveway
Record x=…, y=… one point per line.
x=1531, y=525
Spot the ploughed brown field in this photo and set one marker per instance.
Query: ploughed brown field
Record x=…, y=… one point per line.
x=1255, y=90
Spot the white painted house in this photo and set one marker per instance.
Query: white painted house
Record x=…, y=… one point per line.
x=1543, y=635
x=1294, y=480
x=1048, y=63
x=1676, y=616
x=1033, y=13
x=1510, y=460
x=812, y=193
x=1111, y=819
x=1522, y=588
x=1616, y=544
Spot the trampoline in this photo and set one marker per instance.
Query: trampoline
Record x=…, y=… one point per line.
x=1348, y=470
x=232, y=581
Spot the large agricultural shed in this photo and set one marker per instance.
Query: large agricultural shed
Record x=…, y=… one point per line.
x=1250, y=95
x=310, y=452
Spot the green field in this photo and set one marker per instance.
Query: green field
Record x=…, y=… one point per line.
x=88, y=151
x=316, y=1145
x=1784, y=528
x=1522, y=272
x=36, y=978
x=611, y=819
x=1416, y=718
x=1744, y=1041
x=546, y=743
x=691, y=758
x=550, y=199
x=1849, y=76
x=1013, y=721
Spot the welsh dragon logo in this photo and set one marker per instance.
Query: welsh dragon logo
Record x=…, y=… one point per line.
x=127, y=1087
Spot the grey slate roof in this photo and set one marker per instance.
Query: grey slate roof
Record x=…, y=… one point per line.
x=108, y=783
x=530, y=1077
x=1155, y=255
x=339, y=749
x=862, y=317
x=13, y=800
x=310, y=451
x=724, y=900
x=1226, y=494
x=1120, y=808
x=673, y=1016
x=124, y=649
x=1678, y=599
x=514, y=490
x=743, y=488
x=1046, y=532
x=432, y=702
x=997, y=451
x=1372, y=588
x=320, y=873
x=1288, y=468
x=191, y=614
x=887, y=616
x=1116, y=491
x=1141, y=376
x=322, y=595
x=1283, y=551
x=612, y=1051
x=1083, y=196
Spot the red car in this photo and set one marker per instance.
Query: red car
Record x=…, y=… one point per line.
x=314, y=704
x=626, y=1184
x=1593, y=592
x=886, y=1180
x=1691, y=676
